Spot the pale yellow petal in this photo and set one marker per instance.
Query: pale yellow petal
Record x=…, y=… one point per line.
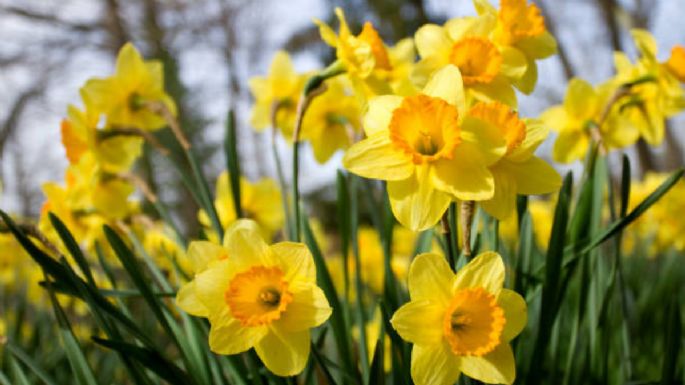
x=431, y=40
x=570, y=145
x=503, y=202
x=246, y=246
x=581, y=99
x=485, y=270
x=526, y=83
x=228, y=336
x=434, y=365
x=415, y=202
x=284, y=353
x=188, y=301
x=430, y=279
x=419, y=322
x=211, y=285
x=447, y=85
x=200, y=253
x=538, y=47
x=130, y=67
x=514, y=63
x=496, y=367
x=379, y=113
x=309, y=309
x=467, y=176
x=533, y=176
x=536, y=133
x=499, y=89
x=375, y=157
x=295, y=260
x=515, y=312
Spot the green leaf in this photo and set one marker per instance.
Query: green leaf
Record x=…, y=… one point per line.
x=27, y=360
x=73, y=247
x=233, y=163
x=672, y=341
x=150, y=359
x=337, y=320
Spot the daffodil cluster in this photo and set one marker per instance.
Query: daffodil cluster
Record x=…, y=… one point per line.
x=633, y=104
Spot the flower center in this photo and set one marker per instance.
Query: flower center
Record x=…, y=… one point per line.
x=370, y=36
x=258, y=296
x=518, y=20
x=504, y=118
x=473, y=322
x=477, y=58
x=426, y=128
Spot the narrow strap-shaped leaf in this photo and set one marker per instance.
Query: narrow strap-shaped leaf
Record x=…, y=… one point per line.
x=233, y=162
x=73, y=247
x=150, y=359
x=27, y=360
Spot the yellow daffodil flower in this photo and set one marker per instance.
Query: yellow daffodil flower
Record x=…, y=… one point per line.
x=577, y=121
x=114, y=153
x=460, y=323
x=658, y=97
x=361, y=54
x=519, y=171
x=428, y=150
x=122, y=96
x=332, y=119
x=520, y=27
x=280, y=89
x=256, y=296
x=486, y=69
x=260, y=201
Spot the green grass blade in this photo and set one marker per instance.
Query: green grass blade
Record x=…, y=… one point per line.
x=73, y=247
x=233, y=162
x=22, y=356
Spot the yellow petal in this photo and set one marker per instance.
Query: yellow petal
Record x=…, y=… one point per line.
x=434, y=365
x=502, y=204
x=415, y=202
x=538, y=47
x=308, y=309
x=228, y=336
x=327, y=33
x=526, y=83
x=499, y=89
x=581, y=99
x=533, y=176
x=430, y=279
x=555, y=117
x=484, y=7
x=211, y=285
x=483, y=138
x=281, y=66
x=295, y=261
x=536, y=133
x=246, y=247
x=570, y=145
x=645, y=43
x=486, y=271
x=467, y=177
x=419, y=322
x=378, y=116
x=447, y=85
x=431, y=40
x=496, y=367
x=514, y=63
x=284, y=353
x=130, y=67
x=515, y=312
x=188, y=301
x=375, y=157
x=200, y=253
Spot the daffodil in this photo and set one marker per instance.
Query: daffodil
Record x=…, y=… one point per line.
x=577, y=121
x=486, y=69
x=519, y=171
x=122, y=97
x=260, y=201
x=656, y=93
x=277, y=92
x=428, y=150
x=332, y=119
x=256, y=296
x=460, y=323
x=361, y=54
x=520, y=27
x=80, y=134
